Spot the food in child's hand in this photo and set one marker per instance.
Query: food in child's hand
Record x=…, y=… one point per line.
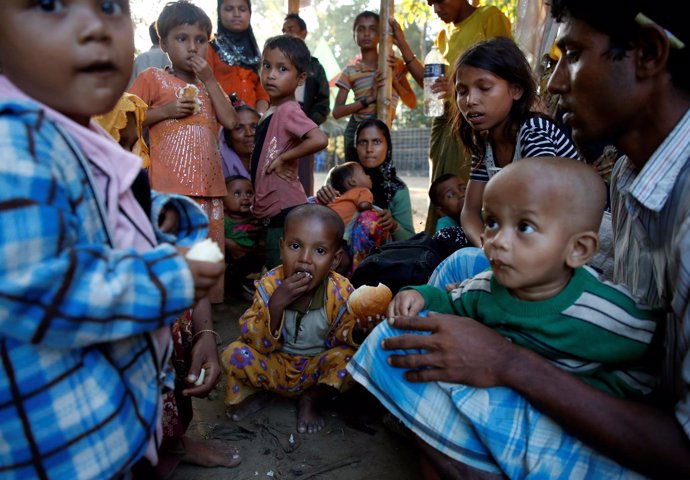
x=368, y=301
x=202, y=375
x=205, y=251
x=191, y=92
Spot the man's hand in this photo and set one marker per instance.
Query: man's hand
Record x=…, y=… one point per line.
x=327, y=194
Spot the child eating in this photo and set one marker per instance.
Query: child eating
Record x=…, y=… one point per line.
x=297, y=336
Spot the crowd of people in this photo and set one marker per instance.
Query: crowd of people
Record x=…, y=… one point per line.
x=524, y=355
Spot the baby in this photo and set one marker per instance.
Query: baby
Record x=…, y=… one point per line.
x=297, y=336
x=354, y=186
x=447, y=194
x=538, y=236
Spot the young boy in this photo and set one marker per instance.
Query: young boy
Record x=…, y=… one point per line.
x=297, y=336
x=284, y=135
x=354, y=186
x=447, y=194
x=87, y=294
x=538, y=293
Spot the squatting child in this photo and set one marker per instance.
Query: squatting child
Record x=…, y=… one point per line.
x=447, y=194
x=297, y=336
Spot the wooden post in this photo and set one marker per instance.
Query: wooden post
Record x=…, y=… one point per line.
x=293, y=6
x=384, y=102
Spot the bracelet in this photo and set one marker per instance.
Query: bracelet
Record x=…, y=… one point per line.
x=407, y=62
x=207, y=331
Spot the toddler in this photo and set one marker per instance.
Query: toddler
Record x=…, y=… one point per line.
x=297, y=336
x=284, y=135
x=447, y=194
x=354, y=186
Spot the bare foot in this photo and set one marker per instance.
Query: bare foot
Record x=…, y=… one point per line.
x=210, y=453
x=308, y=418
x=250, y=405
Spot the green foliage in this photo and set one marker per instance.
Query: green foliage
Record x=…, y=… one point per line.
x=508, y=7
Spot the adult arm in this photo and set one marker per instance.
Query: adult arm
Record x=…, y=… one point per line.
x=401, y=210
x=402, y=86
x=204, y=352
x=470, y=217
x=414, y=65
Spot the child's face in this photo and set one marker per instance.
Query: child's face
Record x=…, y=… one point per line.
x=372, y=147
x=235, y=15
x=359, y=178
x=367, y=33
x=310, y=245
x=74, y=56
x=526, y=237
x=279, y=77
x=451, y=197
x=184, y=42
x=484, y=99
x=239, y=198
x=242, y=135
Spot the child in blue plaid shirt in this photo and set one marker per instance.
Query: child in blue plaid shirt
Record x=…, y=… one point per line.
x=87, y=294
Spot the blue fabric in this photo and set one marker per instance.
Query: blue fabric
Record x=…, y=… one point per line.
x=79, y=386
x=460, y=265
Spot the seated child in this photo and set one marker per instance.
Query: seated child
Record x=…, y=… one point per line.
x=297, y=336
x=538, y=236
x=354, y=186
x=447, y=194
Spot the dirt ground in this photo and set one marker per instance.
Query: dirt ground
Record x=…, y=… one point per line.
x=271, y=448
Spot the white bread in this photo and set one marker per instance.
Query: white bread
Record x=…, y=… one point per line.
x=191, y=92
x=205, y=251
x=368, y=301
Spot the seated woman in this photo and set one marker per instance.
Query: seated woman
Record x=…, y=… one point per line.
x=391, y=216
x=236, y=145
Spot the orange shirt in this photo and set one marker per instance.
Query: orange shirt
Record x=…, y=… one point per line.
x=346, y=204
x=240, y=80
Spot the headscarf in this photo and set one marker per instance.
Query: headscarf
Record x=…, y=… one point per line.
x=237, y=48
x=384, y=178
x=115, y=121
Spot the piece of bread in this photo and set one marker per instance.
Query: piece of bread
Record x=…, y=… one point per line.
x=205, y=251
x=191, y=92
x=368, y=301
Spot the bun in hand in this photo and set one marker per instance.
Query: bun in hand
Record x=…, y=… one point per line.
x=368, y=301
x=205, y=251
x=191, y=92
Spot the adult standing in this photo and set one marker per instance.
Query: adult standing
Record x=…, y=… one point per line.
x=235, y=57
x=622, y=76
x=313, y=96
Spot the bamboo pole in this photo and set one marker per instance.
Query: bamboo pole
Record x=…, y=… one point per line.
x=293, y=6
x=384, y=97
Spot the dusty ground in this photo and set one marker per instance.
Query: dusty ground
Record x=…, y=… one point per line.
x=268, y=440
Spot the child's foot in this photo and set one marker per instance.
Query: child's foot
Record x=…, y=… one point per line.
x=210, y=453
x=308, y=418
x=251, y=405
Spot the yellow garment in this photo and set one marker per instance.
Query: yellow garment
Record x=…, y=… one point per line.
x=115, y=121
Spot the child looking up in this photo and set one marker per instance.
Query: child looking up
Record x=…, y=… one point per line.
x=364, y=80
x=447, y=194
x=297, y=336
x=87, y=295
x=284, y=135
x=355, y=187
x=184, y=129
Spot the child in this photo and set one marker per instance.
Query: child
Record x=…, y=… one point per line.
x=447, y=194
x=85, y=287
x=125, y=124
x=364, y=80
x=494, y=92
x=354, y=186
x=283, y=136
x=538, y=236
x=297, y=336
x=183, y=130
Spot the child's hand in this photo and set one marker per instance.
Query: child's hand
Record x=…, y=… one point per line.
x=282, y=168
x=180, y=108
x=201, y=68
x=386, y=221
x=292, y=288
x=364, y=206
x=205, y=274
x=327, y=194
x=406, y=303
x=367, y=325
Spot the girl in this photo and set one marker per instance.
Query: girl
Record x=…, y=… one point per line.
x=364, y=80
x=234, y=55
x=494, y=92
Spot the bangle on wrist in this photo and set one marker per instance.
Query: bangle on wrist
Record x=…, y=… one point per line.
x=207, y=331
x=407, y=62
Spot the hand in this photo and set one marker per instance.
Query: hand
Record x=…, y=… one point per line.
x=204, y=355
x=292, y=288
x=366, y=325
x=179, y=108
x=386, y=221
x=327, y=194
x=458, y=350
x=364, y=206
x=396, y=32
x=604, y=164
x=282, y=168
x=169, y=220
x=205, y=274
x=406, y=303
x=201, y=68
x=441, y=87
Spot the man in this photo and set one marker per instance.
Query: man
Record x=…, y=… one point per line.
x=622, y=76
x=154, y=57
x=313, y=96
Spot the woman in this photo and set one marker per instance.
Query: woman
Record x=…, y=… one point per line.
x=236, y=145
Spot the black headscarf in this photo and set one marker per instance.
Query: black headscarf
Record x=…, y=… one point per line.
x=384, y=178
x=237, y=48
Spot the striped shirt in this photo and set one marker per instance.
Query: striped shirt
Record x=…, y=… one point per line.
x=650, y=212
x=537, y=137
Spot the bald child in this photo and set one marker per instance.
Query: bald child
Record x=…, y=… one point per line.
x=539, y=293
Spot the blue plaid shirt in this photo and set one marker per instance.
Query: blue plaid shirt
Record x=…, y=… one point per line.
x=79, y=384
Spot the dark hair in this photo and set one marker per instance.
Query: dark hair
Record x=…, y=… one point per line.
x=227, y=133
x=153, y=33
x=616, y=18
x=232, y=178
x=182, y=12
x=502, y=57
x=322, y=213
x=340, y=174
x=300, y=21
x=365, y=14
x=293, y=48
x=433, y=189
